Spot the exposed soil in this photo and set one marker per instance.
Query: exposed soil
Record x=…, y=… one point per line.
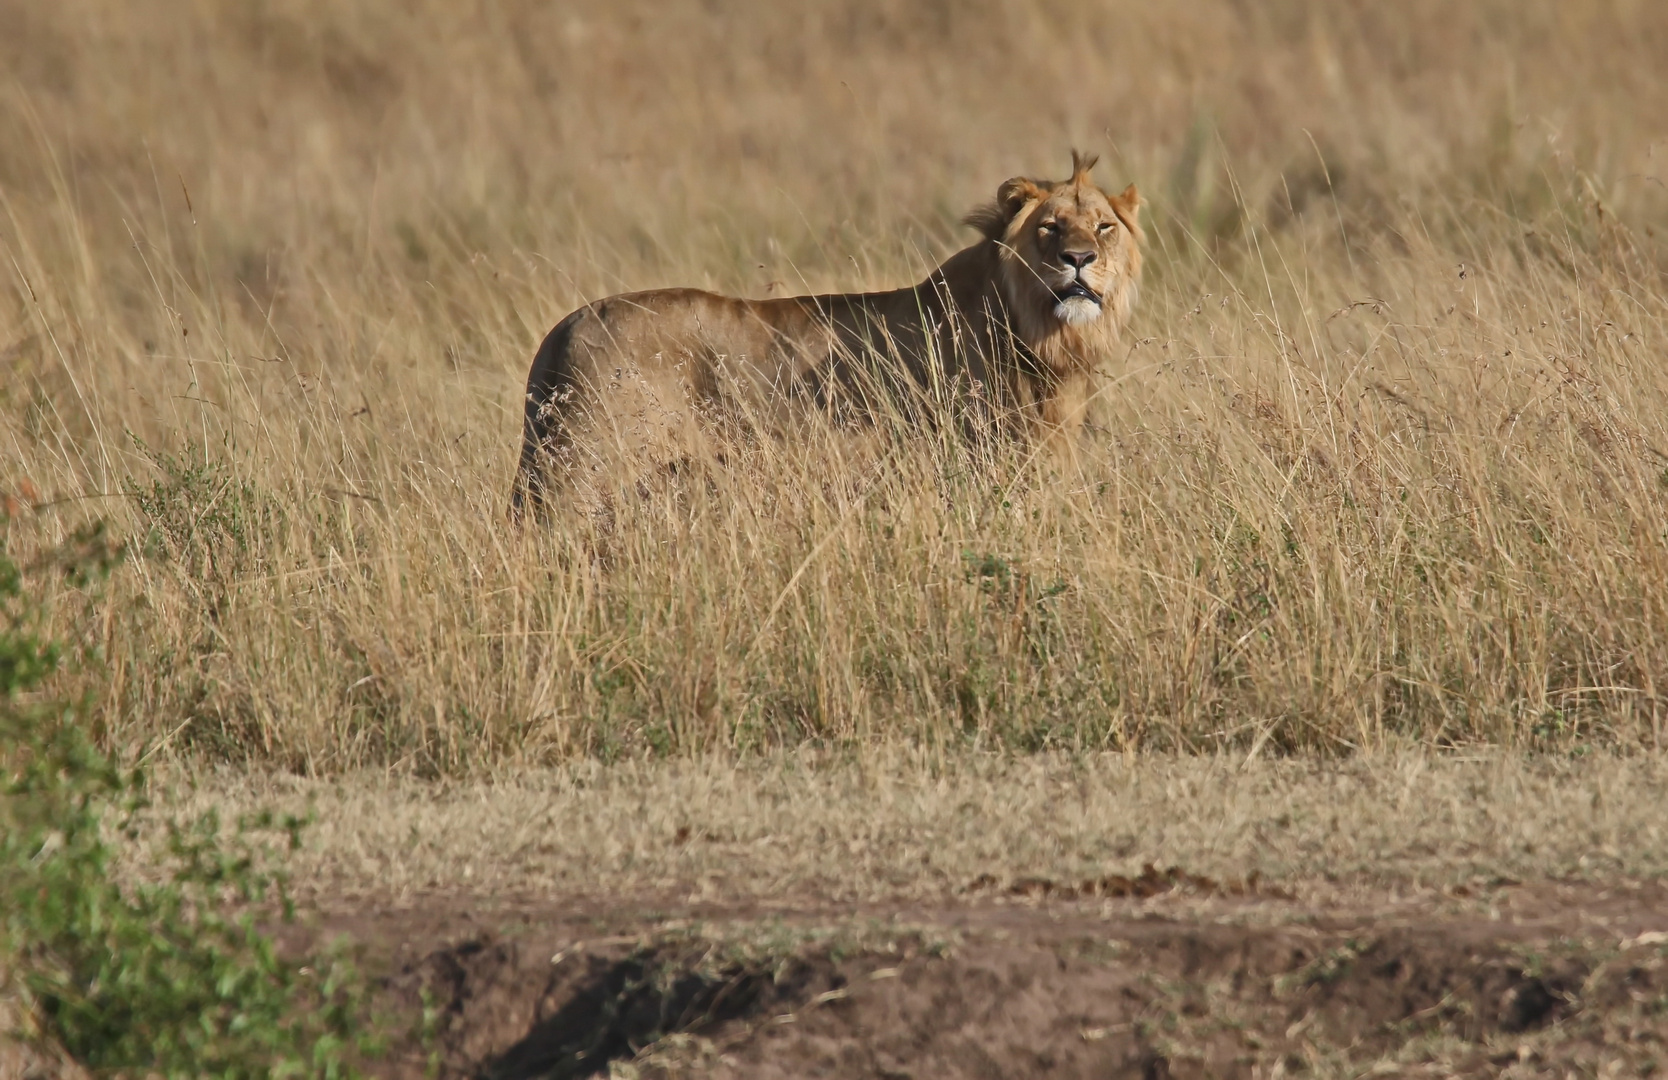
x=1168, y=975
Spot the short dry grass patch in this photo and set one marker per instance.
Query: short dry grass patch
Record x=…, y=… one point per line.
x=798, y=828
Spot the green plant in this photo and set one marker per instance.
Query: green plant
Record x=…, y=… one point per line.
x=198, y=510
x=171, y=976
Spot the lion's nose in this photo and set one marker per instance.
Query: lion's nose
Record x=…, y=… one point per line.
x=1077, y=260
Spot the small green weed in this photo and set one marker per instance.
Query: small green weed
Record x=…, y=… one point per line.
x=197, y=511
x=1329, y=967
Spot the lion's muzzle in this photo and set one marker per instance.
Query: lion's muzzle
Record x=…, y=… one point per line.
x=1075, y=303
x=1077, y=289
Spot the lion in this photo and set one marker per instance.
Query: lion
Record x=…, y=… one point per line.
x=1019, y=322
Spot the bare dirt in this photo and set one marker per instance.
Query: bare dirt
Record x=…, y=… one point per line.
x=1413, y=915
x=1161, y=975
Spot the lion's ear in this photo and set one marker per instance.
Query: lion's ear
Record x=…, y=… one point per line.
x=1127, y=205
x=993, y=219
x=1012, y=196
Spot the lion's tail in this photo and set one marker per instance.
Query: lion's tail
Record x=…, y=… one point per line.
x=550, y=380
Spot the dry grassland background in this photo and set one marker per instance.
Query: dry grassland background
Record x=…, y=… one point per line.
x=1382, y=463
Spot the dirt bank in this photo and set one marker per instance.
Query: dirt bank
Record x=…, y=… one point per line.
x=1514, y=980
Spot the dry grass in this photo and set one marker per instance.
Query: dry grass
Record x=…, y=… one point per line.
x=800, y=828
x=1383, y=462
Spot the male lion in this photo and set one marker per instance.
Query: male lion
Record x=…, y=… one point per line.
x=1019, y=322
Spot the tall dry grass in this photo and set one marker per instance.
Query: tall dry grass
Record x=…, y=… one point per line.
x=1383, y=462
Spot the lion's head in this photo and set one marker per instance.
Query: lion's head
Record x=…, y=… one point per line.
x=1071, y=257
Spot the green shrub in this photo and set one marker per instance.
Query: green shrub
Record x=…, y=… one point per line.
x=171, y=976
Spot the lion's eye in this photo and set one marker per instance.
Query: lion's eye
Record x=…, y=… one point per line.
x=1104, y=227
x=1049, y=228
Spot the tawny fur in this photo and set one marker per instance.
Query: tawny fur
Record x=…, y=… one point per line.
x=1020, y=321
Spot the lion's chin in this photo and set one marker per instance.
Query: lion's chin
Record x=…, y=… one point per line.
x=1077, y=310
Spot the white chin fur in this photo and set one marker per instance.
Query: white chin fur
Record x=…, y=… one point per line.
x=1077, y=310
